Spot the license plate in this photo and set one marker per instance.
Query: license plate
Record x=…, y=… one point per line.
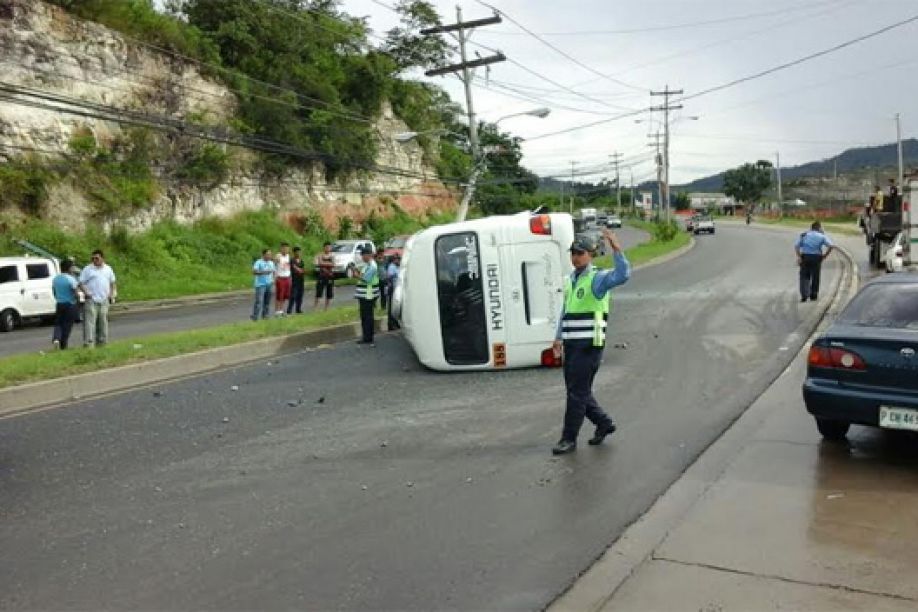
x=898, y=418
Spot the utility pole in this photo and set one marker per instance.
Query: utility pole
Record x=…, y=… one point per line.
x=780, y=194
x=571, y=208
x=906, y=202
x=618, y=182
x=631, y=186
x=666, y=107
x=465, y=68
x=658, y=158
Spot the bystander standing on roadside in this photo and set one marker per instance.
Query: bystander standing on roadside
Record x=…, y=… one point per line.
x=64, y=286
x=367, y=275
x=383, y=270
x=298, y=286
x=392, y=272
x=809, y=249
x=98, y=283
x=263, y=270
x=282, y=279
x=325, y=276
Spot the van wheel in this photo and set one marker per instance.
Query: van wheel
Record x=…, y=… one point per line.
x=8, y=320
x=832, y=430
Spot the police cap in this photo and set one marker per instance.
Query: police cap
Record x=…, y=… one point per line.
x=583, y=242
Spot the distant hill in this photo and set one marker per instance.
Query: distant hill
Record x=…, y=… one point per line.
x=852, y=160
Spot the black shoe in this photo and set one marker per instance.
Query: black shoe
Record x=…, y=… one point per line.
x=803, y=299
x=564, y=447
x=814, y=297
x=606, y=429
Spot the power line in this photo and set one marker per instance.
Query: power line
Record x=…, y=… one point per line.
x=47, y=101
x=662, y=28
x=522, y=95
x=561, y=51
x=584, y=126
x=831, y=4
x=803, y=59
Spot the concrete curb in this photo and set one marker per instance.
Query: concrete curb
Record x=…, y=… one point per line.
x=27, y=397
x=597, y=586
x=667, y=257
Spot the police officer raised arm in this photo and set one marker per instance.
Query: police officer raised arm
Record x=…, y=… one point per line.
x=581, y=336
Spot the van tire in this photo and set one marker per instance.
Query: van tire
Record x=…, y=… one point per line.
x=832, y=430
x=8, y=320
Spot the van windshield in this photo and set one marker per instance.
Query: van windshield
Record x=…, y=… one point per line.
x=460, y=293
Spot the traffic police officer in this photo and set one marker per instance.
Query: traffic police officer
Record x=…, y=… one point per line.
x=582, y=335
x=809, y=258
x=367, y=292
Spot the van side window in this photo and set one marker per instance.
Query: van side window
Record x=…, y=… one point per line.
x=38, y=271
x=9, y=274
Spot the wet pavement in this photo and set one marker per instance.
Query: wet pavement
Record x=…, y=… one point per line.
x=792, y=521
x=352, y=478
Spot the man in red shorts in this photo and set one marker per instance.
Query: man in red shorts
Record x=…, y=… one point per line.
x=282, y=279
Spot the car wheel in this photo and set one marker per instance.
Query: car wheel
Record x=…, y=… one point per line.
x=8, y=320
x=832, y=430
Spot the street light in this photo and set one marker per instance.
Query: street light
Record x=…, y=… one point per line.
x=541, y=113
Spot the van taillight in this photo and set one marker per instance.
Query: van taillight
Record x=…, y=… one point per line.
x=838, y=358
x=540, y=224
x=549, y=359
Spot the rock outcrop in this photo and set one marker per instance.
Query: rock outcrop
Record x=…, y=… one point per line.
x=48, y=51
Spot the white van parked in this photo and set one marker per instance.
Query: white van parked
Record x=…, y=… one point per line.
x=25, y=289
x=487, y=293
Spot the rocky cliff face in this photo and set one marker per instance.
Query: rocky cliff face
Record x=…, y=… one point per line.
x=46, y=50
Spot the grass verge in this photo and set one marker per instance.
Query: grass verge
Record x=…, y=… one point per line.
x=20, y=369
x=848, y=229
x=644, y=252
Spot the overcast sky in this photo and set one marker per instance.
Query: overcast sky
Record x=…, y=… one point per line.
x=807, y=112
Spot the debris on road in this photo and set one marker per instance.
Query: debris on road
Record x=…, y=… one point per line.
x=321, y=400
x=621, y=345
x=384, y=444
x=234, y=388
x=226, y=419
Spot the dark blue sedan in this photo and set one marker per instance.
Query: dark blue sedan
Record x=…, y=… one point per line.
x=864, y=368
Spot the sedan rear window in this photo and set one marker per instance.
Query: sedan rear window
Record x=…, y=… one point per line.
x=884, y=305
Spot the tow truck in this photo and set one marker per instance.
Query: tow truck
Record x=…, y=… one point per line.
x=881, y=227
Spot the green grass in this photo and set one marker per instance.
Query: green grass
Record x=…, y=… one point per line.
x=846, y=226
x=642, y=253
x=20, y=369
x=211, y=256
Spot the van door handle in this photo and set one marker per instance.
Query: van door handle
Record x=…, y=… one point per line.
x=22, y=292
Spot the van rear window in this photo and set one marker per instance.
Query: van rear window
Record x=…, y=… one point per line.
x=38, y=271
x=460, y=294
x=8, y=274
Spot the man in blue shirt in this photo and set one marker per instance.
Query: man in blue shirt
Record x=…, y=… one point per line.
x=64, y=286
x=392, y=272
x=263, y=270
x=581, y=336
x=809, y=249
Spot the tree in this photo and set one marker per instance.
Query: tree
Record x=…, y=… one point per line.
x=681, y=201
x=748, y=182
x=504, y=187
x=407, y=47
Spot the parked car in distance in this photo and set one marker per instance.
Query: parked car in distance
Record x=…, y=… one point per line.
x=395, y=246
x=25, y=290
x=346, y=254
x=894, y=257
x=864, y=368
x=690, y=223
x=703, y=224
x=613, y=221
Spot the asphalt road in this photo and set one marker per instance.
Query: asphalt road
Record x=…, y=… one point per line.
x=352, y=478
x=37, y=337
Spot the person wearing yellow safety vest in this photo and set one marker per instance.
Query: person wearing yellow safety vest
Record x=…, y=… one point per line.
x=367, y=292
x=581, y=336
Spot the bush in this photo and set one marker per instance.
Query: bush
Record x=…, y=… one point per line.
x=207, y=166
x=665, y=232
x=24, y=184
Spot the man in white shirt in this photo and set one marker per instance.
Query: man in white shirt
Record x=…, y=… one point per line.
x=282, y=279
x=97, y=281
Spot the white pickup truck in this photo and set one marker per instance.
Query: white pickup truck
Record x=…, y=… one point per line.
x=25, y=289
x=704, y=224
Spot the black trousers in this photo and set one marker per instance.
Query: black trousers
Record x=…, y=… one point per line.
x=810, y=266
x=64, y=317
x=580, y=366
x=392, y=322
x=366, y=318
x=297, y=289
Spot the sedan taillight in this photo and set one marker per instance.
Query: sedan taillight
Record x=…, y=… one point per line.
x=838, y=358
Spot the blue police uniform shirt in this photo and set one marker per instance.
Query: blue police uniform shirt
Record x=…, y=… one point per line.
x=811, y=242
x=64, y=287
x=603, y=282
